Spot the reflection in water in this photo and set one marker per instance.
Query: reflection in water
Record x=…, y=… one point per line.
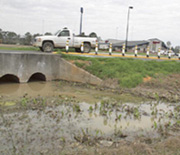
x=127, y=123
x=9, y=88
x=37, y=86
x=32, y=89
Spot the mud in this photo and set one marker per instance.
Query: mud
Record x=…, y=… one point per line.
x=161, y=88
x=68, y=118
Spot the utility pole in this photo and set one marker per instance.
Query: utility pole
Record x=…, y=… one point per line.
x=130, y=7
x=81, y=10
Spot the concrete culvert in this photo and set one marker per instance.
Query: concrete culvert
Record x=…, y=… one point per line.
x=37, y=77
x=9, y=78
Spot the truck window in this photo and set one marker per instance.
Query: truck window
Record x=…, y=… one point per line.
x=64, y=33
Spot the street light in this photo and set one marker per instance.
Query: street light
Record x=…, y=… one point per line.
x=81, y=20
x=130, y=7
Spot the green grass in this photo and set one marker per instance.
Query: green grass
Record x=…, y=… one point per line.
x=129, y=72
x=19, y=48
x=64, y=50
x=30, y=48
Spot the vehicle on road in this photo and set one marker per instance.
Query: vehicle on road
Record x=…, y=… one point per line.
x=59, y=39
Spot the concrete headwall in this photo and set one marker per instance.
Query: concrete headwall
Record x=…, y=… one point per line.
x=24, y=65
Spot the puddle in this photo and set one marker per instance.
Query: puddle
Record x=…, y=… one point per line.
x=77, y=113
x=51, y=125
x=32, y=89
x=15, y=91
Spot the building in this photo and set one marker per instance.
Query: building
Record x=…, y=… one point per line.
x=142, y=45
x=154, y=44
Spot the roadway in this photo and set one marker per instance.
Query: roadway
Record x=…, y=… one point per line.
x=120, y=55
x=93, y=55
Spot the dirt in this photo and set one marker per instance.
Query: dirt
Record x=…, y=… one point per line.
x=165, y=88
x=162, y=88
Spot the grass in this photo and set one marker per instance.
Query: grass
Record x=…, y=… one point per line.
x=23, y=48
x=129, y=72
x=28, y=48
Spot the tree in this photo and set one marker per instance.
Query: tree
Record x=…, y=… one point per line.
x=177, y=49
x=48, y=34
x=12, y=38
x=1, y=36
x=37, y=34
x=168, y=44
x=28, y=38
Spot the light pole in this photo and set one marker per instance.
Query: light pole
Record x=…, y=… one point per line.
x=81, y=20
x=130, y=7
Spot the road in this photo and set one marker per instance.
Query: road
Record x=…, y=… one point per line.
x=119, y=55
x=93, y=55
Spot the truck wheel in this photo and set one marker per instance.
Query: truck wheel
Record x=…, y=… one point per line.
x=48, y=47
x=41, y=49
x=78, y=50
x=87, y=47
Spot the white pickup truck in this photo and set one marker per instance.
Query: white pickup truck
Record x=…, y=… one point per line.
x=59, y=39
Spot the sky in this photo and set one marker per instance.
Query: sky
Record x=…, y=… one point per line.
x=108, y=18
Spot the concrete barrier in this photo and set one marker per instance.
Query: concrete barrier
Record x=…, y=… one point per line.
x=52, y=67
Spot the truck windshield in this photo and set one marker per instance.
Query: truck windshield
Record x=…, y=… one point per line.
x=57, y=32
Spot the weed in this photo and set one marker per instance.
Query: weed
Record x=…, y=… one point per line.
x=136, y=113
x=119, y=117
x=98, y=132
x=24, y=102
x=76, y=108
x=90, y=109
x=155, y=125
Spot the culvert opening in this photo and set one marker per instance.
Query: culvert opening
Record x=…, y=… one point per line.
x=37, y=77
x=9, y=78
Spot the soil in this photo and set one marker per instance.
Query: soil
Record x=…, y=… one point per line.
x=162, y=88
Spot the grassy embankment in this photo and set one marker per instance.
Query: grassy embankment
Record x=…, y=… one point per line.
x=129, y=72
x=19, y=48
x=27, y=48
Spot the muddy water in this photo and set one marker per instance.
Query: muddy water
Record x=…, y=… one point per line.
x=56, y=88
x=32, y=89
x=76, y=113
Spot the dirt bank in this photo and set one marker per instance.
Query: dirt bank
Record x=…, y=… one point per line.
x=162, y=88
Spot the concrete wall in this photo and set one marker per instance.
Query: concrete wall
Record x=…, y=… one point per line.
x=24, y=65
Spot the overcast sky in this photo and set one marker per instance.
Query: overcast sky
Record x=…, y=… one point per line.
x=108, y=18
